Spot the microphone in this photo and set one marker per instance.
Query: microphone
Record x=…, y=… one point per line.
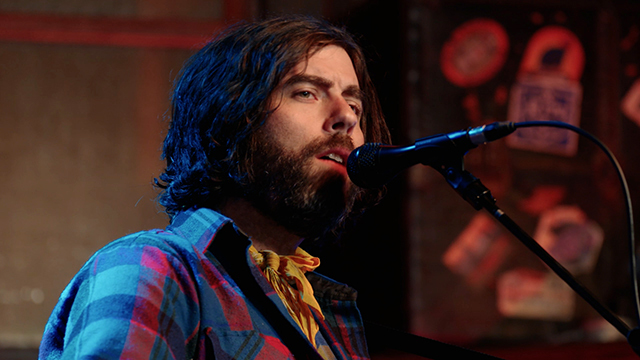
x=374, y=164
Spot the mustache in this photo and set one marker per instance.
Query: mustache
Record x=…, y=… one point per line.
x=319, y=145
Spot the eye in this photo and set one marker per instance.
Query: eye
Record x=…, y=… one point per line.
x=304, y=94
x=356, y=109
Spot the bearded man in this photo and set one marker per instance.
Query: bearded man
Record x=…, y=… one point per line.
x=263, y=120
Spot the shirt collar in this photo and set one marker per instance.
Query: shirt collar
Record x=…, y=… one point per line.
x=200, y=226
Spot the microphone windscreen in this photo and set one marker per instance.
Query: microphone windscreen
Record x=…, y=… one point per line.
x=362, y=166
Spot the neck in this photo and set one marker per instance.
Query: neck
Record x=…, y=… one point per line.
x=265, y=233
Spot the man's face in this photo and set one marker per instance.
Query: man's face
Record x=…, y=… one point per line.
x=316, y=100
x=300, y=160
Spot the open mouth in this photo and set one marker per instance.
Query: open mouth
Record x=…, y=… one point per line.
x=334, y=157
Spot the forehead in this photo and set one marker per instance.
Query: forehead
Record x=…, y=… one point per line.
x=331, y=62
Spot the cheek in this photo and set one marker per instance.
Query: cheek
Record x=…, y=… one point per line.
x=282, y=129
x=290, y=137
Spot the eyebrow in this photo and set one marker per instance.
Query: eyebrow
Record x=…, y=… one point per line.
x=351, y=90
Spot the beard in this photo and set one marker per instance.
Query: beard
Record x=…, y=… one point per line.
x=285, y=187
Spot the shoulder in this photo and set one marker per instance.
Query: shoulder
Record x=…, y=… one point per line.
x=135, y=267
x=132, y=250
x=149, y=272
x=162, y=240
x=179, y=247
x=126, y=265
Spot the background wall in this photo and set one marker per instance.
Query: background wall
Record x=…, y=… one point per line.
x=85, y=91
x=470, y=282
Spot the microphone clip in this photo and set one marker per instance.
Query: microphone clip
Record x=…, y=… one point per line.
x=469, y=187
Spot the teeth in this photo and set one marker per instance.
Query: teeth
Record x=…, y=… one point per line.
x=336, y=158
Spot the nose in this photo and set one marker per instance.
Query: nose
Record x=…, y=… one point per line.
x=342, y=118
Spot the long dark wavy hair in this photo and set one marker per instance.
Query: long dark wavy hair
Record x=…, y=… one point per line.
x=221, y=97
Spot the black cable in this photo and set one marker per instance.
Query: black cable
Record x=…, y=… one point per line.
x=625, y=188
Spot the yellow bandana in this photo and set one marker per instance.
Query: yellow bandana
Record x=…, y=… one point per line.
x=286, y=275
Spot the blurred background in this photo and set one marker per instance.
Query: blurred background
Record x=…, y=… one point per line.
x=84, y=89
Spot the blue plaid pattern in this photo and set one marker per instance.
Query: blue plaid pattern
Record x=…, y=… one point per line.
x=190, y=291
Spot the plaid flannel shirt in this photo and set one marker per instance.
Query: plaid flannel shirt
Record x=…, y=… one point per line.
x=190, y=292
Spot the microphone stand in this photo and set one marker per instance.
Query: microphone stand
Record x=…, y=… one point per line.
x=476, y=194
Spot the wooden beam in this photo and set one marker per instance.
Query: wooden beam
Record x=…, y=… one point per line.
x=235, y=10
x=107, y=31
